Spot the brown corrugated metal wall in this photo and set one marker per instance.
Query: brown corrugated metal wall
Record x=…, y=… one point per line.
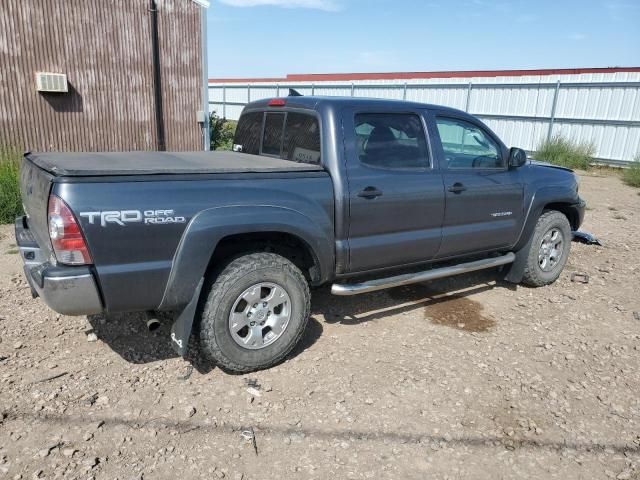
x=105, y=50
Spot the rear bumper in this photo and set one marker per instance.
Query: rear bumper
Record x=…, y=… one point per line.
x=66, y=290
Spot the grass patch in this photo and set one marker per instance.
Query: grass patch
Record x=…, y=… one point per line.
x=566, y=153
x=631, y=175
x=10, y=201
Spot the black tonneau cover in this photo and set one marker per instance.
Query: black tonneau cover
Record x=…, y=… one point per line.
x=158, y=163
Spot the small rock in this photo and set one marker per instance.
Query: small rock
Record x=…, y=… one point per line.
x=44, y=452
x=254, y=391
x=68, y=452
x=580, y=278
x=624, y=475
x=190, y=411
x=91, y=462
x=219, y=473
x=92, y=337
x=17, y=345
x=636, y=315
x=102, y=400
x=570, y=356
x=368, y=401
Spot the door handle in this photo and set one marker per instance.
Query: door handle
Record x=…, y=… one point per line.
x=370, y=193
x=457, y=188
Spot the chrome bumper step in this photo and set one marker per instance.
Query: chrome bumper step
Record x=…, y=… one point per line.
x=346, y=289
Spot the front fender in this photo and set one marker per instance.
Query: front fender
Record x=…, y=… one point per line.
x=210, y=226
x=541, y=197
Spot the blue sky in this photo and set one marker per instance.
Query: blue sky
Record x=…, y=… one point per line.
x=257, y=38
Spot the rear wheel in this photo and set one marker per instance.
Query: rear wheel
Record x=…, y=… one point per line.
x=549, y=251
x=256, y=312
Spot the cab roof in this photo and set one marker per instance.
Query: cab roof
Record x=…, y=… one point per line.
x=321, y=102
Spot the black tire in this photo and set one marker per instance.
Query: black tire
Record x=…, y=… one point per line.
x=534, y=274
x=216, y=339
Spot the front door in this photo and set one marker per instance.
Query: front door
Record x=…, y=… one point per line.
x=396, y=198
x=484, y=198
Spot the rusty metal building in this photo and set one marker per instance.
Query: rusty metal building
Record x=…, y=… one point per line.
x=135, y=74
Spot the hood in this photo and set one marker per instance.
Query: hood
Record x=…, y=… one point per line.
x=546, y=164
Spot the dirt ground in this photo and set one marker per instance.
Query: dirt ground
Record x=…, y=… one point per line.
x=464, y=378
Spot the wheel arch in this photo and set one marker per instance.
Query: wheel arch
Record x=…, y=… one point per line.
x=217, y=232
x=567, y=209
x=286, y=244
x=544, y=199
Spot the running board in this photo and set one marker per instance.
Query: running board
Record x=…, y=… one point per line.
x=346, y=289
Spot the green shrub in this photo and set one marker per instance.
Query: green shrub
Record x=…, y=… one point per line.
x=10, y=202
x=631, y=175
x=222, y=132
x=566, y=153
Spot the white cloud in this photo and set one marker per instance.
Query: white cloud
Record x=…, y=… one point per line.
x=577, y=36
x=327, y=5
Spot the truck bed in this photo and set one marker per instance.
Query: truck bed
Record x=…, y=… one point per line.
x=161, y=163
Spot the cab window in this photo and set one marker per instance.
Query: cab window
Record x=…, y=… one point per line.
x=391, y=140
x=272, y=140
x=288, y=135
x=249, y=133
x=467, y=146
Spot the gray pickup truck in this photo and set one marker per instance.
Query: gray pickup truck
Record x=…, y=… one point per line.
x=364, y=194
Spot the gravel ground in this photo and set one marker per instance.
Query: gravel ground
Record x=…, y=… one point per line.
x=463, y=378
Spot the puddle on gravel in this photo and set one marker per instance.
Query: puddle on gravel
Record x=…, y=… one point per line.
x=455, y=311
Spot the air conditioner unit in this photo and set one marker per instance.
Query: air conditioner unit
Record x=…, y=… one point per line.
x=51, y=82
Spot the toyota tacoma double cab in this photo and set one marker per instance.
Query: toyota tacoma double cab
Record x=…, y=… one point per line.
x=363, y=194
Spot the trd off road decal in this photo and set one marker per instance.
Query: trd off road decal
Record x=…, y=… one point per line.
x=122, y=217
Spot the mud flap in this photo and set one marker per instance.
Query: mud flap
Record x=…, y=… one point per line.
x=516, y=271
x=181, y=328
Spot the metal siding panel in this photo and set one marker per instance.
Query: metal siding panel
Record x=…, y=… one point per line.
x=591, y=104
x=181, y=71
x=106, y=54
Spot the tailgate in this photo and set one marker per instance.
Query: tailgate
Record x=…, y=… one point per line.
x=35, y=185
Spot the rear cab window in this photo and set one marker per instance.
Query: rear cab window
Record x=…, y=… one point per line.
x=290, y=135
x=391, y=140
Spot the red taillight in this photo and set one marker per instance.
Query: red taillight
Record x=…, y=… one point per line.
x=277, y=102
x=66, y=237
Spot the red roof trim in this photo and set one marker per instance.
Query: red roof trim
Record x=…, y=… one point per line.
x=342, y=77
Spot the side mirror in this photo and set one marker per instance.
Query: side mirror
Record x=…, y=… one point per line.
x=517, y=157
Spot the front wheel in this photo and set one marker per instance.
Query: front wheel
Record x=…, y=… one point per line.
x=256, y=312
x=549, y=250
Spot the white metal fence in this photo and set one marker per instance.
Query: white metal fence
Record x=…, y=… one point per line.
x=522, y=112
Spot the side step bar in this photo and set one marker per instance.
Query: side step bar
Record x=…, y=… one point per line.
x=346, y=289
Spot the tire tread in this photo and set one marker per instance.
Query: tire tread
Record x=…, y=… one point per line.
x=532, y=275
x=230, y=274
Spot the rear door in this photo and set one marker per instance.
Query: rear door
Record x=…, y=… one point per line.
x=396, y=198
x=484, y=198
